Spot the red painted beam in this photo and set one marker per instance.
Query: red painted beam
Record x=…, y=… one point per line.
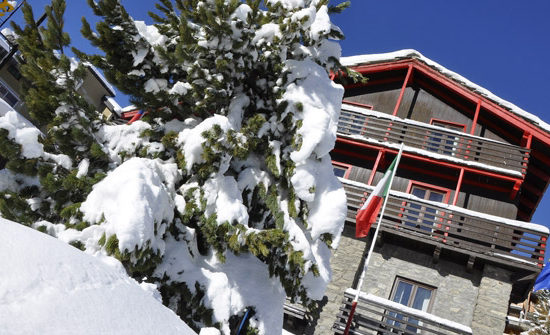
x=458, y=186
x=383, y=67
x=476, y=116
x=430, y=160
x=510, y=117
x=353, y=154
x=402, y=92
x=375, y=82
x=380, y=156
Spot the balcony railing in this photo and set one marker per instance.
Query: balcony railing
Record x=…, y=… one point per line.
x=375, y=315
x=498, y=239
x=433, y=140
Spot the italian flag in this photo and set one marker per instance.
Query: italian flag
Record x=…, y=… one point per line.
x=367, y=214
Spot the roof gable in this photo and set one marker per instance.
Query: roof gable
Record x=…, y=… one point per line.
x=500, y=107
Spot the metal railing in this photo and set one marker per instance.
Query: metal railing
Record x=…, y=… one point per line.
x=376, y=315
x=497, y=238
x=433, y=140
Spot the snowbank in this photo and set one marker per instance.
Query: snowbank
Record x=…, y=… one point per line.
x=49, y=287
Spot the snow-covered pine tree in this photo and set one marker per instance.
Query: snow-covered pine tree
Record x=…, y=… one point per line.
x=541, y=316
x=51, y=170
x=224, y=196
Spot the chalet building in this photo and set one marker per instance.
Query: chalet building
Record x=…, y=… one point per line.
x=456, y=252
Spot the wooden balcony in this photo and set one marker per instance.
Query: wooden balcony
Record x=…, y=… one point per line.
x=478, y=235
x=433, y=141
x=375, y=315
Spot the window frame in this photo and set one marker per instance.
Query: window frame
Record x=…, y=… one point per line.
x=405, y=208
x=415, y=285
x=442, y=143
x=436, y=188
x=9, y=90
x=449, y=123
x=344, y=166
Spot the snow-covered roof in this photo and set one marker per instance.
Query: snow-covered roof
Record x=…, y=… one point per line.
x=50, y=287
x=413, y=54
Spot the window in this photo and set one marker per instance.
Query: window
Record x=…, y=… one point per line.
x=411, y=294
x=14, y=71
x=423, y=216
x=341, y=170
x=444, y=143
x=7, y=95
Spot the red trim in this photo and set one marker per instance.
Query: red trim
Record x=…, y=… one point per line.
x=380, y=156
x=374, y=82
x=343, y=165
x=429, y=160
x=358, y=104
x=541, y=250
x=405, y=83
x=476, y=116
x=450, y=123
x=130, y=114
x=458, y=186
x=491, y=107
x=445, y=190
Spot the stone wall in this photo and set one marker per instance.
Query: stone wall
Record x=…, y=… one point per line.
x=478, y=299
x=345, y=263
x=492, y=302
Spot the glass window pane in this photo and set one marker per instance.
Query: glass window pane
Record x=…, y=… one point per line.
x=339, y=171
x=422, y=299
x=403, y=293
x=436, y=197
x=11, y=99
x=421, y=193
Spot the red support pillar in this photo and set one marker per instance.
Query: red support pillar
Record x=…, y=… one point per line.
x=405, y=83
x=455, y=200
x=542, y=246
x=526, y=141
x=458, y=186
x=380, y=156
x=476, y=116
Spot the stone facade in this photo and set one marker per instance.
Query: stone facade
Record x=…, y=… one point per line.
x=492, y=302
x=345, y=262
x=478, y=299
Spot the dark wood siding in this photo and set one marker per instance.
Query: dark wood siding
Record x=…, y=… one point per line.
x=420, y=105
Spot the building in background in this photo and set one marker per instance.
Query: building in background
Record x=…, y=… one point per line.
x=94, y=88
x=456, y=253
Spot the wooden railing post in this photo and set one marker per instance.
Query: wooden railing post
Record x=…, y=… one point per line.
x=542, y=249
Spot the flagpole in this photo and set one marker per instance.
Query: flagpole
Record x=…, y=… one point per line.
x=366, y=264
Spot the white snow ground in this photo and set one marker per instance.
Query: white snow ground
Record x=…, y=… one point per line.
x=49, y=287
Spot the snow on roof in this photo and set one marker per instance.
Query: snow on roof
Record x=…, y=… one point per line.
x=413, y=54
x=50, y=287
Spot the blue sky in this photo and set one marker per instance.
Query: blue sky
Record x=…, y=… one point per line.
x=502, y=45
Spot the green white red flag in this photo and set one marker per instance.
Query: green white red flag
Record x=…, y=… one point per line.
x=368, y=213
